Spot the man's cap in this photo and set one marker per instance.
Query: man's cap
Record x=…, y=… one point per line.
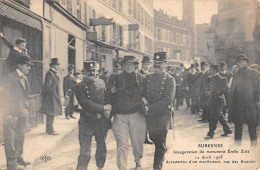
x=71, y=66
x=214, y=66
x=222, y=64
x=130, y=59
x=24, y=59
x=55, y=61
x=160, y=57
x=203, y=63
x=242, y=57
x=89, y=65
x=192, y=66
x=147, y=59
x=118, y=67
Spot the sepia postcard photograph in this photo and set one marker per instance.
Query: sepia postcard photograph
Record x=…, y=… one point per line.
x=129, y=84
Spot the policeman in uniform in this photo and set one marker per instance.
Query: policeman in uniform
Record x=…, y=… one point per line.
x=224, y=73
x=160, y=93
x=94, y=117
x=217, y=86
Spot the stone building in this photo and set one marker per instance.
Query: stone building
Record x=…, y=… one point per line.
x=202, y=47
x=234, y=31
x=172, y=36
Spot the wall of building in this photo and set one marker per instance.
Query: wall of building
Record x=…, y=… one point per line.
x=202, y=47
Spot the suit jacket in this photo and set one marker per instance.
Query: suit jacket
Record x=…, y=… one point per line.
x=160, y=93
x=244, y=92
x=51, y=102
x=17, y=97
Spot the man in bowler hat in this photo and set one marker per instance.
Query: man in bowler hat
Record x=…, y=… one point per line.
x=69, y=84
x=17, y=90
x=244, y=97
x=51, y=102
x=159, y=92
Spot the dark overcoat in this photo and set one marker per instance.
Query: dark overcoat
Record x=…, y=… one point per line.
x=244, y=93
x=69, y=83
x=160, y=93
x=51, y=102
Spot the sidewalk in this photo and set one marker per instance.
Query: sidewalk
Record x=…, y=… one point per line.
x=38, y=143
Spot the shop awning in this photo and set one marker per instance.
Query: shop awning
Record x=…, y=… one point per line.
x=10, y=11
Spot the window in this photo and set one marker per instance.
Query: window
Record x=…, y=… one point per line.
x=69, y=5
x=79, y=9
x=85, y=13
x=103, y=32
x=120, y=5
x=178, y=38
x=129, y=7
x=120, y=34
x=71, y=49
x=159, y=34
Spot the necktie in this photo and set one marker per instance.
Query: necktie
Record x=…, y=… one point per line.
x=23, y=81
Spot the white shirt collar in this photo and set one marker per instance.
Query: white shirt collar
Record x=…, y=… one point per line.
x=20, y=73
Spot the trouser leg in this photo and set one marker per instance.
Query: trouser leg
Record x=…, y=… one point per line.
x=19, y=135
x=49, y=124
x=205, y=113
x=252, y=131
x=121, y=130
x=85, y=151
x=224, y=123
x=9, y=138
x=137, y=135
x=159, y=139
x=101, y=149
x=238, y=130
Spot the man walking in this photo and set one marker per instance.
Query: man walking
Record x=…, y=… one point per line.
x=217, y=86
x=244, y=96
x=17, y=90
x=69, y=83
x=94, y=117
x=51, y=103
x=145, y=70
x=126, y=104
x=160, y=93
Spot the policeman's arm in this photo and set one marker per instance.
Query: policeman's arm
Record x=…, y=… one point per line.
x=85, y=102
x=166, y=100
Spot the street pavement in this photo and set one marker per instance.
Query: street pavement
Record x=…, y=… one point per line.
x=185, y=136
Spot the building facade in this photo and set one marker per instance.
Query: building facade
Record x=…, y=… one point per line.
x=172, y=36
x=202, y=48
x=235, y=28
x=130, y=31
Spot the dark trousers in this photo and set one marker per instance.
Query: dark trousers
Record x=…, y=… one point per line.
x=205, y=113
x=70, y=107
x=85, y=149
x=159, y=139
x=49, y=124
x=14, y=130
x=215, y=117
x=251, y=122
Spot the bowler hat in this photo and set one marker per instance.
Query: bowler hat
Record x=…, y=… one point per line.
x=55, y=61
x=24, y=59
x=89, y=65
x=130, y=59
x=71, y=66
x=146, y=59
x=222, y=64
x=242, y=57
x=214, y=66
x=203, y=63
x=160, y=57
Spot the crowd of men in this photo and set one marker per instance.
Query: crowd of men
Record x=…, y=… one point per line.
x=136, y=104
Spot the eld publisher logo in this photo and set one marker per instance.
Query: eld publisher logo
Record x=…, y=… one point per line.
x=45, y=158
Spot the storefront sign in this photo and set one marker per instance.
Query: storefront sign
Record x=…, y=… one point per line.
x=100, y=21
